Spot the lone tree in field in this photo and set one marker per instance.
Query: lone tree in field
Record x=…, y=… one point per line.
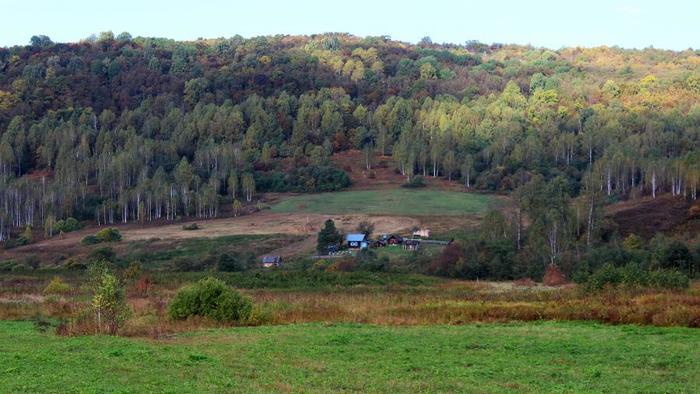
x=108, y=299
x=328, y=235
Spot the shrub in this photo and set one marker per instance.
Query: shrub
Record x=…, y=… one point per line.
x=133, y=271
x=66, y=226
x=633, y=242
x=32, y=261
x=26, y=237
x=607, y=275
x=9, y=244
x=74, y=264
x=321, y=265
x=676, y=256
x=56, y=286
x=668, y=279
x=415, y=182
x=109, y=234
x=8, y=265
x=234, y=262
x=143, y=285
x=343, y=265
x=104, y=254
x=211, y=298
x=190, y=227
x=367, y=260
x=634, y=276
x=90, y=240
x=553, y=276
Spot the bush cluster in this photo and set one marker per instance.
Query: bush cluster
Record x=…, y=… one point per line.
x=190, y=226
x=211, y=298
x=66, y=226
x=226, y=262
x=109, y=234
x=56, y=286
x=415, y=182
x=634, y=276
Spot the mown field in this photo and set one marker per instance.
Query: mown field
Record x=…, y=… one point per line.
x=533, y=357
x=389, y=202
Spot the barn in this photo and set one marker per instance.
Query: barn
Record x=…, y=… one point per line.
x=357, y=241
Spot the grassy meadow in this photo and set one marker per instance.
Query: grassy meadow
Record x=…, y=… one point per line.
x=389, y=202
x=153, y=253
x=532, y=357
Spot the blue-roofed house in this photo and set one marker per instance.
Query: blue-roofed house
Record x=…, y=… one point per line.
x=357, y=241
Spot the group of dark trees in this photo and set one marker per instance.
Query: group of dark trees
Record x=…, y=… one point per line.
x=119, y=129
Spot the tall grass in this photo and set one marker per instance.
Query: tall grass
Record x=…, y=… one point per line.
x=390, y=303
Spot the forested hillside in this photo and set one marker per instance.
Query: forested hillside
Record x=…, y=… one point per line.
x=118, y=129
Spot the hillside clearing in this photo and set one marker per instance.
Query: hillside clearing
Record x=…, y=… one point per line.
x=397, y=201
x=262, y=223
x=565, y=357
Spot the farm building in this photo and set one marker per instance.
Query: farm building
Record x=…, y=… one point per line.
x=411, y=244
x=357, y=241
x=391, y=239
x=379, y=243
x=271, y=261
x=423, y=233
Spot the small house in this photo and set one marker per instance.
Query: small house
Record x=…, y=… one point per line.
x=271, y=261
x=411, y=244
x=357, y=241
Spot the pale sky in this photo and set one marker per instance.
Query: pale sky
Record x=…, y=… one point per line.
x=671, y=24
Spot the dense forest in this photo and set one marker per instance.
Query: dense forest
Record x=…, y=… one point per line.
x=119, y=129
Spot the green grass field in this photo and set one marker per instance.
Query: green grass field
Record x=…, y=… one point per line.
x=390, y=202
x=397, y=252
x=535, y=357
x=152, y=253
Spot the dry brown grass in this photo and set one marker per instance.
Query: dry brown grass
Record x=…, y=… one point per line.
x=449, y=303
x=472, y=304
x=260, y=223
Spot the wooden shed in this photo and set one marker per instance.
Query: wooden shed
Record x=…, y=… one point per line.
x=391, y=239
